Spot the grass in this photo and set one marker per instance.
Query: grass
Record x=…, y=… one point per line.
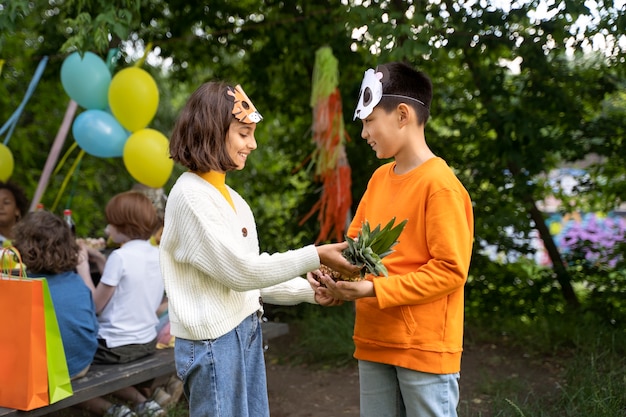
x=588, y=358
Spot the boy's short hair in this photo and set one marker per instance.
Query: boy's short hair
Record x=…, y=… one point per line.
x=198, y=141
x=402, y=80
x=46, y=243
x=133, y=214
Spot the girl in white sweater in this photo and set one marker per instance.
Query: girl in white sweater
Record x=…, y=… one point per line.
x=215, y=276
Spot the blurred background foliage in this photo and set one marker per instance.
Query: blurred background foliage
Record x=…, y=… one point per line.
x=521, y=88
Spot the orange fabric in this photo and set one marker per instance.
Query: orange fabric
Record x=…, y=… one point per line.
x=23, y=360
x=218, y=180
x=416, y=319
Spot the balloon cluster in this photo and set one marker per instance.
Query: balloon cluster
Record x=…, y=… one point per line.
x=118, y=111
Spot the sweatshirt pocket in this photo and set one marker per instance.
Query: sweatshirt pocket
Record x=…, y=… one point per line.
x=404, y=326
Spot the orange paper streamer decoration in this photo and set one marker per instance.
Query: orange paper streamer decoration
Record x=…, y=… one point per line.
x=331, y=163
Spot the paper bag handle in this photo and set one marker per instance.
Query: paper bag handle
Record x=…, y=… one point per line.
x=13, y=252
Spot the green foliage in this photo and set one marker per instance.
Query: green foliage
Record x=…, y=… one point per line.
x=324, y=336
x=520, y=289
x=501, y=130
x=89, y=24
x=588, y=351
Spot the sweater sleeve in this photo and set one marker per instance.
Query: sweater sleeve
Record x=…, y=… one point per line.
x=205, y=233
x=292, y=292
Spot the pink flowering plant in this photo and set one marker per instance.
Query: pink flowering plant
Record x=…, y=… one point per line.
x=593, y=249
x=595, y=242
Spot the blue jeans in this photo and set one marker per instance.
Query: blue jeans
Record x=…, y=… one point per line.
x=392, y=391
x=225, y=377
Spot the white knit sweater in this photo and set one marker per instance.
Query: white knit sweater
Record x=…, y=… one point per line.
x=211, y=265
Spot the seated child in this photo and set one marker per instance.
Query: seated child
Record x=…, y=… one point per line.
x=127, y=298
x=49, y=250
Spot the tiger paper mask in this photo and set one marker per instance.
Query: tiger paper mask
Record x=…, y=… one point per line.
x=243, y=109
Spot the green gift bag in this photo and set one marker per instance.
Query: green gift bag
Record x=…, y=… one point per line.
x=59, y=384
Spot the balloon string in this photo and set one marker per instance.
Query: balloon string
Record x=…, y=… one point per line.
x=141, y=60
x=12, y=122
x=70, y=197
x=65, y=156
x=66, y=180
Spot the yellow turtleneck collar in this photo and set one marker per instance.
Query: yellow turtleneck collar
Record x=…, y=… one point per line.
x=218, y=180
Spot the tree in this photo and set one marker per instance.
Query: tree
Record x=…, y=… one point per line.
x=503, y=129
x=517, y=90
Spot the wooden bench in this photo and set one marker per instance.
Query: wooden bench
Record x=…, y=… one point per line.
x=104, y=379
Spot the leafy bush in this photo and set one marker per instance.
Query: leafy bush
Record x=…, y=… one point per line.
x=521, y=289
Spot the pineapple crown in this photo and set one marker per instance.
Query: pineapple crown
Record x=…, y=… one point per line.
x=370, y=246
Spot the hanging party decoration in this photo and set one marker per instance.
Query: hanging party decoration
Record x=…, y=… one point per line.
x=146, y=157
x=6, y=163
x=329, y=157
x=86, y=80
x=99, y=134
x=133, y=98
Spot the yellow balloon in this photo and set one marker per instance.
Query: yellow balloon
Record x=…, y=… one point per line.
x=146, y=157
x=6, y=163
x=133, y=98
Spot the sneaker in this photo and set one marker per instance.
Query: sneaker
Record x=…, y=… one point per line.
x=118, y=410
x=174, y=388
x=149, y=408
x=162, y=397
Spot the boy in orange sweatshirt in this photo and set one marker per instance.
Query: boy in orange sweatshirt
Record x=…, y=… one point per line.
x=408, y=330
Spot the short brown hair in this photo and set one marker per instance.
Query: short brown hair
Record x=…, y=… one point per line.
x=133, y=214
x=46, y=244
x=198, y=140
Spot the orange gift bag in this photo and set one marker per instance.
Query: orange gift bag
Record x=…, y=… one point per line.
x=23, y=359
x=33, y=367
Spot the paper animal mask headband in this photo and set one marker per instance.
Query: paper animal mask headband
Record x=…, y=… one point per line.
x=243, y=109
x=372, y=92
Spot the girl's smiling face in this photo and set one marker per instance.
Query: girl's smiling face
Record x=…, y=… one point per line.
x=240, y=142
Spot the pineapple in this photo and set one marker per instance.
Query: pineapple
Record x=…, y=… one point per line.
x=368, y=249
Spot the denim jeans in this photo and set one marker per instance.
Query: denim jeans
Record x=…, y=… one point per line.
x=393, y=391
x=225, y=377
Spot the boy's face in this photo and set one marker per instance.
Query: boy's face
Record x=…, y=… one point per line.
x=240, y=142
x=379, y=130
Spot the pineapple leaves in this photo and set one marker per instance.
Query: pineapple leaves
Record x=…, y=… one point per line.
x=387, y=238
x=370, y=246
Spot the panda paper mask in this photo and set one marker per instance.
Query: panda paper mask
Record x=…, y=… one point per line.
x=370, y=94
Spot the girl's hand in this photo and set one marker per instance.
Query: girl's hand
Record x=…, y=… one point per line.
x=321, y=298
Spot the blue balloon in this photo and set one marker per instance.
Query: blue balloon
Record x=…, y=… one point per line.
x=86, y=80
x=99, y=134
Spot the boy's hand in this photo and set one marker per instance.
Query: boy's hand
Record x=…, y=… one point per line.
x=345, y=290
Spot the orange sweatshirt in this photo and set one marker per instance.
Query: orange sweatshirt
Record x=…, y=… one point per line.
x=416, y=319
